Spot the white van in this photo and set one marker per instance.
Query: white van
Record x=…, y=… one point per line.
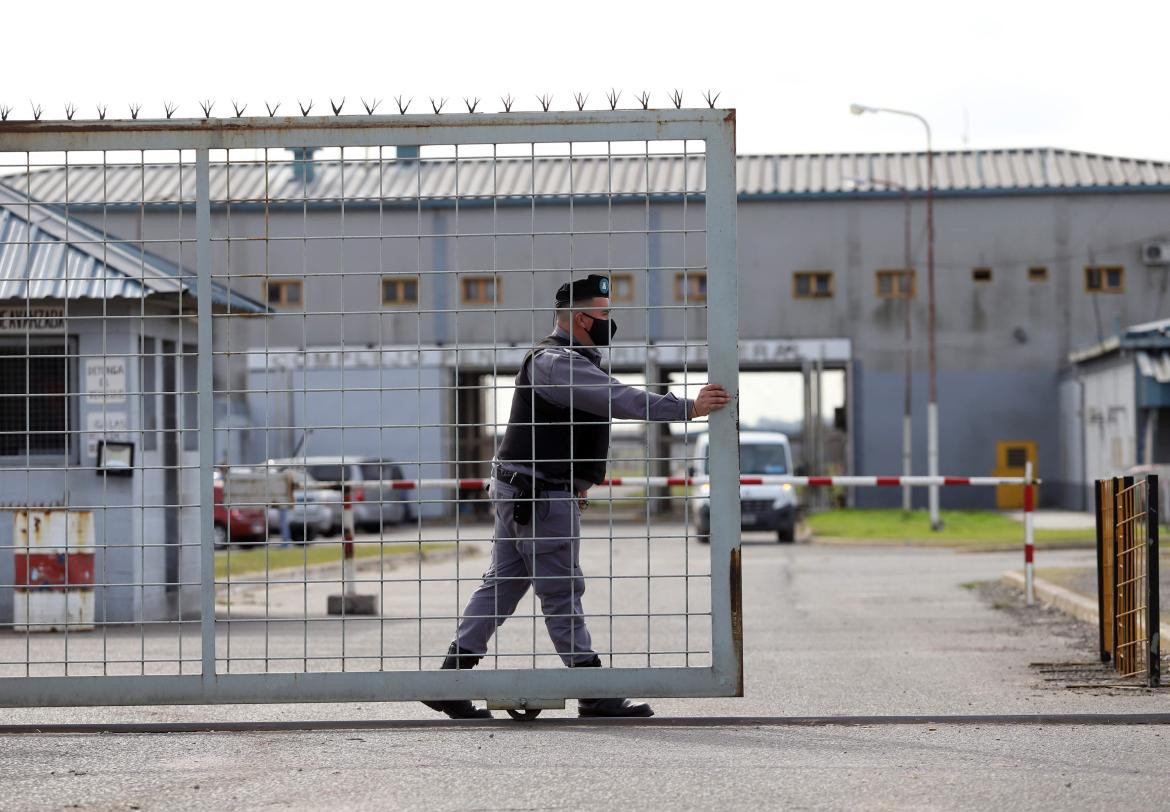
x=762, y=507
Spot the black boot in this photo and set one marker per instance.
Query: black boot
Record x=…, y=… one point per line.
x=612, y=708
x=457, y=659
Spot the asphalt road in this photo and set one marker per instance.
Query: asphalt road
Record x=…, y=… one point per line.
x=828, y=630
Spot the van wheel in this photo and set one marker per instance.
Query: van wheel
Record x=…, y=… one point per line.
x=786, y=535
x=221, y=536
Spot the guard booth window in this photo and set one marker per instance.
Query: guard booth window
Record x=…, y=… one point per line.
x=35, y=411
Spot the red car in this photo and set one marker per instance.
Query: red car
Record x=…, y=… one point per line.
x=246, y=526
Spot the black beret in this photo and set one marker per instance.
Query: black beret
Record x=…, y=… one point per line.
x=590, y=287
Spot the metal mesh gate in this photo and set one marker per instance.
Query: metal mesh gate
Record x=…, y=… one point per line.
x=1128, y=576
x=254, y=370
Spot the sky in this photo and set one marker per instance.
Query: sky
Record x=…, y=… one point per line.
x=1075, y=75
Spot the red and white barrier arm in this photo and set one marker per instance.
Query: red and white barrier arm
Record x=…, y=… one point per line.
x=801, y=481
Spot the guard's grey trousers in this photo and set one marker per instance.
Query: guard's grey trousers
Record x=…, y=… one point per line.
x=543, y=553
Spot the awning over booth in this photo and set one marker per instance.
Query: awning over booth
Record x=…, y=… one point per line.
x=46, y=255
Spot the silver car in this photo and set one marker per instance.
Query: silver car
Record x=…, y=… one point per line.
x=312, y=514
x=374, y=503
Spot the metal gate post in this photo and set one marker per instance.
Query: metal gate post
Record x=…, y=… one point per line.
x=723, y=361
x=206, y=415
x=1153, y=602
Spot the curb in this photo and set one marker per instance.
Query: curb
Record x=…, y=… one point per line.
x=1059, y=597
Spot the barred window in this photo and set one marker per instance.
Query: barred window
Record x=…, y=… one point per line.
x=690, y=287
x=812, y=285
x=399, y=290
x=896, y=284
x=35, y=414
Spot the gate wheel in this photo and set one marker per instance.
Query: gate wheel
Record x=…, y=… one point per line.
x=526, y=715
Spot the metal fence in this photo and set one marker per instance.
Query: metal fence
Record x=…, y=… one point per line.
x=223, y=341
x=1127, y=576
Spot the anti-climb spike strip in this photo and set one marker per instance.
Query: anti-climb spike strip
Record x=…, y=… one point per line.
x=371, y=105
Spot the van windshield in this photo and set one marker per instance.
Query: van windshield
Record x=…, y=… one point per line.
x=758, y=459
x=763, y=459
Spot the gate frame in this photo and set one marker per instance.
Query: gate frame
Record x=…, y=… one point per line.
x=715, y=127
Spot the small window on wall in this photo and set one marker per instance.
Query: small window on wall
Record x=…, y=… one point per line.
x=1104, y=279
x=690, y=287
x=284, y=293
x=621, y=288
x=398, y=290
x=896, y=284
x=1038, y=273
x=481, y=289
x=981, y=274
x=37, y=416
x=812, y=285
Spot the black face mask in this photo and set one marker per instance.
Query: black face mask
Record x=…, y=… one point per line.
x=602, y=330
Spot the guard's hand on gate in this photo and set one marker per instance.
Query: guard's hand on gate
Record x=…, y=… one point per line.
x=712, y=398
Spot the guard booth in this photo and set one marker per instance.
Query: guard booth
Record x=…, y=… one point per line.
x=98, y=448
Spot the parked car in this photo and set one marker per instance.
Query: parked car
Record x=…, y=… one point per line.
x=242, y=525
x=313, y=513
x=374, y=504
x=395, y=504
x=762, y=507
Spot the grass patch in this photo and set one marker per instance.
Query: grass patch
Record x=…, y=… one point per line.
x=968, y=529
x=264, y=559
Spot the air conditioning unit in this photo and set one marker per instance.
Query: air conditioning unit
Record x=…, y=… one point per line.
x=1156, y=253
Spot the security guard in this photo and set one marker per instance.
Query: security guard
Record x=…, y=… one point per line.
x=555, y=448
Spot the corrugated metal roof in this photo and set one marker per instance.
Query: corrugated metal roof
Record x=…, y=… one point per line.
x=45, y=255
x=959, y=172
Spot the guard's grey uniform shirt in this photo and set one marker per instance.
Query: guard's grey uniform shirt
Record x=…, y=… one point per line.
x=545, y=552
x=563, y=377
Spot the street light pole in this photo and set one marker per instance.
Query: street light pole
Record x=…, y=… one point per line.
x=932, y=405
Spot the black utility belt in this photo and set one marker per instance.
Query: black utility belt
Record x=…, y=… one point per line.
x=528, y=489
x=530, y=486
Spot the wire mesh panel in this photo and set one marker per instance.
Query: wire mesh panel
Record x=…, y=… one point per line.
x=1136, y=604
x=99, y=535
x=286, y=390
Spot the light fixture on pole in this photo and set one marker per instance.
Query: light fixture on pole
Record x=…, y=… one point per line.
x=932, y=405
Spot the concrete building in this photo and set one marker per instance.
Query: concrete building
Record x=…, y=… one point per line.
x=1038, y=252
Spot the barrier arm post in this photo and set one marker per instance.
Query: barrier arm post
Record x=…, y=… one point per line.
x=1029, y=532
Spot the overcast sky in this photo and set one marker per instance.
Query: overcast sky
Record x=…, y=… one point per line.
x=1088, y=76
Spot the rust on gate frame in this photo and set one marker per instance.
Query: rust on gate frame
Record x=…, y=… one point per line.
x=1127, y=576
